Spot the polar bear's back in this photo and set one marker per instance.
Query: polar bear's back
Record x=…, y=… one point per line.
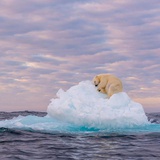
x=109, y=84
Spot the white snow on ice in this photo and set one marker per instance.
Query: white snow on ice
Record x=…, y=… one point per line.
x=83, y=105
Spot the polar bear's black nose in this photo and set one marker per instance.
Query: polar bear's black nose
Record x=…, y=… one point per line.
x=96, y=85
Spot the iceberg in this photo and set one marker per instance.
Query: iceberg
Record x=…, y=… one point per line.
x=83, y=109
x=82, y=105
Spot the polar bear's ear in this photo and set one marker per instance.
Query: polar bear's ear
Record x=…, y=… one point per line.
x=96, y=77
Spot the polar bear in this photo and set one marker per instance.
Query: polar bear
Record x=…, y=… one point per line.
x=108, y=84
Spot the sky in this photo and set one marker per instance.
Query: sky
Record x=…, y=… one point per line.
x=46, y=45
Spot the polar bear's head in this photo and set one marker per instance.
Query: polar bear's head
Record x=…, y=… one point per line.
x=96, y=80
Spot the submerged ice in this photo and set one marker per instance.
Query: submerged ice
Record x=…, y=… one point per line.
x=82, y=105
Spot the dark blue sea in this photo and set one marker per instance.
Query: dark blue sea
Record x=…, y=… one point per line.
x=31, y=143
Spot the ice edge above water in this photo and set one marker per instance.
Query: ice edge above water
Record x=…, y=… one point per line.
x=81, y=109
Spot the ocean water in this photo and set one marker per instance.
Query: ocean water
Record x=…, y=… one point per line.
x=82, y=124
x=29, y=144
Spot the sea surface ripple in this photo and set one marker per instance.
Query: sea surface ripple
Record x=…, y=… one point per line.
x=18, y=144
